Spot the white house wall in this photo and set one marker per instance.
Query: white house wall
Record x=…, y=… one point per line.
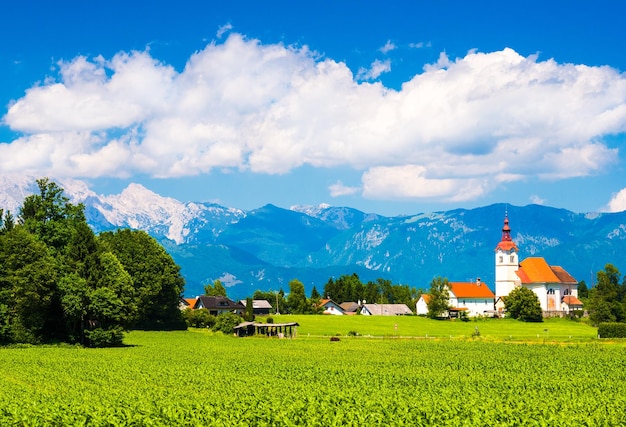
x=475, y=306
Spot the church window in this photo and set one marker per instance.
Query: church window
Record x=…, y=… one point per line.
x=512, y=258
x=501, y=259
x=550, y=291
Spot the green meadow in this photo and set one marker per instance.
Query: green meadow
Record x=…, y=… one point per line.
x=554, y=329
x=385, y=376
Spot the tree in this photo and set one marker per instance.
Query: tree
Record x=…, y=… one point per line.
x=606, y=300
x=50, y=216
x=439, y=293
x=249, y=313
x=216, y=290
x=315, y=302
x=28, y=274
x=7, y=222
x=296, y=300
x=523, y=304
x=156, y=277
x=583, y=291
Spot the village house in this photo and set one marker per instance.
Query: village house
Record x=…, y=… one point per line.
x=475, y=298
x=350, y=307
x=218, y=305
x=260, y=307
x=331, y=307
x=421, y=307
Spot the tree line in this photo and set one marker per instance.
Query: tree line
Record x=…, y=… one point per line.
x=346, y=288
x=59, y=282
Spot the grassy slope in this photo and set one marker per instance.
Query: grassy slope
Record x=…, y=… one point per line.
x=414, y=326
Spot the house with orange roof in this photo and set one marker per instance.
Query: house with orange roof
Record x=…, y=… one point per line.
x=555, y=288
x=184, y=303
x=475, y=298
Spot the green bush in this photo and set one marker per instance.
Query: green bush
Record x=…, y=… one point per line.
x=225, y=322
x=612, y=330
x=200, y=318
x=100, y=337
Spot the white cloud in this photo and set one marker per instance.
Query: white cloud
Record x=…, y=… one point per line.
x=455, y=131
x=537, y=200
x=419, y=45
x=223, y=30
x=411, y=181
x=339, y=189
x=388, y=47
x=618, y=202
x=376, y=69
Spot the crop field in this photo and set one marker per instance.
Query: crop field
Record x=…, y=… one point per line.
x=200, y=378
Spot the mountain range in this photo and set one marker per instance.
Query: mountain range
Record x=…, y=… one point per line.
x=266, y=248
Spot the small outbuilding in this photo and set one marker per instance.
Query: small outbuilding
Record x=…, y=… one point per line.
x=385, y=310
x=280, y=330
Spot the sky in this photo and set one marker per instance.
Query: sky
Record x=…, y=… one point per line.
x=395, y=107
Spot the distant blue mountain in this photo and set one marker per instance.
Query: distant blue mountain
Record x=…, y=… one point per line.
x=268, y=247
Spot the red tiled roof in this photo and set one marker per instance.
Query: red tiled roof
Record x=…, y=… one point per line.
x=563, y=275
x=537, y=270
x=426, y=298
x=470, y=290
x=571, y=300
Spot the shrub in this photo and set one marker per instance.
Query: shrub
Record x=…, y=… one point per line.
x=269, y=320
x=612, y=330
x=225, y=322
x=353, y=334
x=200, y=318
x=100, y=337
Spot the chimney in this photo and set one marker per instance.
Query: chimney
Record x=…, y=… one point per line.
x=478, y=281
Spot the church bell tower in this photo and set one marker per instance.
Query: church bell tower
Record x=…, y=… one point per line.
x=507, y=262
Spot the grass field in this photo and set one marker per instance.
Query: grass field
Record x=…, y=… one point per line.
x=554, y=329
x=201, y=378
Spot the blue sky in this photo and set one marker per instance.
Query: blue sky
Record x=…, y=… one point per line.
x=390, y=107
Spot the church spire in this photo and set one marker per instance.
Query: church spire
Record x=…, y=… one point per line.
x=506, y=244
x=506, y=230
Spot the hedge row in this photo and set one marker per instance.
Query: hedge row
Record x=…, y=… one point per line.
x=612, y=330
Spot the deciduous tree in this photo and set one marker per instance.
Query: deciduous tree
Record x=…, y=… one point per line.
x=523, y=304
x=439, y=293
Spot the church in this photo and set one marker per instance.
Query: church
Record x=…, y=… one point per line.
x=556, y=289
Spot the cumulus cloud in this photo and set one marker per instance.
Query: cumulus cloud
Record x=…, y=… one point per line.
x=455, y=131
x=339, y=189
x=618, y=202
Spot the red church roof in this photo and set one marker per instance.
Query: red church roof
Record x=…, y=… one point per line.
x=537, y=270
